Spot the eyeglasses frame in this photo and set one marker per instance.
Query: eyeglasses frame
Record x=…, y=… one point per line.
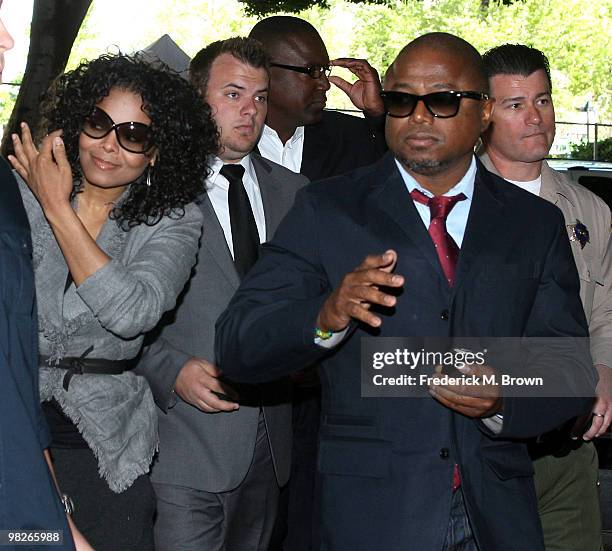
x=481, y=96
x=325, y=69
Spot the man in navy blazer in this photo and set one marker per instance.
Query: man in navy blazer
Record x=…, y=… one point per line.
x=447, y=471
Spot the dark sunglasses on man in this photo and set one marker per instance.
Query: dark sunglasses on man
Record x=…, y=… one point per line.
x=314, y=71
x=442, y=105
x=135, y=137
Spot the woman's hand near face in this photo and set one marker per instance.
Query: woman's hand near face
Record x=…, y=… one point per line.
x=47, y=172
x=49, y=176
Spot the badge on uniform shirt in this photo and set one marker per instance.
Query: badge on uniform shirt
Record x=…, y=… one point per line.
x=578, y=233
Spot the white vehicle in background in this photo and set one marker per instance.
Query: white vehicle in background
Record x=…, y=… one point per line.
x=576, y=168
x=594, y=175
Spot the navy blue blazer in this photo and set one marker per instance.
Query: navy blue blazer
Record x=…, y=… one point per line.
x=387, y=463
x=28, y=499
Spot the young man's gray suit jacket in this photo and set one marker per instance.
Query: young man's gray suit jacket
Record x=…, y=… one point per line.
x=212, y=452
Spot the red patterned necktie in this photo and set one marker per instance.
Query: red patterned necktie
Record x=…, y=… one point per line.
x=439, y=208
x=448, y=252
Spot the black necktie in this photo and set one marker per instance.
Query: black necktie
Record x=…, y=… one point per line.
x=245, y=238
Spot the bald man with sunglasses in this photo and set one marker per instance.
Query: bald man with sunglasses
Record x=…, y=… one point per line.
x=422, y=244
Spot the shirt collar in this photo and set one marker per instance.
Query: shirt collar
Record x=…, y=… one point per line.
x=465, y=185
x=217, y=164
x=272, y=134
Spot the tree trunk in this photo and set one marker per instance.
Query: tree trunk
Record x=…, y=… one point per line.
x=55, y=25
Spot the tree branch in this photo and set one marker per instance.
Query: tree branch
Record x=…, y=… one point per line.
x=55, y=25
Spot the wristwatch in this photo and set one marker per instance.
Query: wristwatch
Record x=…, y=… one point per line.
x=67, y=503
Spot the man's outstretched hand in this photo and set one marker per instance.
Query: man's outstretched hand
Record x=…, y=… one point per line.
x=359, y=290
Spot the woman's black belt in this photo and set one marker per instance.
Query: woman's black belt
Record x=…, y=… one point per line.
x=78, y=366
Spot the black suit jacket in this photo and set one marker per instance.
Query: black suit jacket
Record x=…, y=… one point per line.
x=340, y=143
x=387, y=463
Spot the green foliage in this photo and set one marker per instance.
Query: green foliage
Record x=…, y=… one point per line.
x=262, y=8
x=8, y=96
x=575, y=34
x=584, y=150
x=195, y=23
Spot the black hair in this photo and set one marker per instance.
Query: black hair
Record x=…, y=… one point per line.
x=516, y=59
x=273, y=31
x=247, y=50
x=183, y=130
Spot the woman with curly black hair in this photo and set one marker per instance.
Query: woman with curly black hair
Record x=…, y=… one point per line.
x=109, y=198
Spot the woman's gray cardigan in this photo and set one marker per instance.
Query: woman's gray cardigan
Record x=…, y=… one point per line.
x=111, y=311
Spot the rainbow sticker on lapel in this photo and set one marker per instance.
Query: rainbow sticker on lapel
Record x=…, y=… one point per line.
x=578, y=233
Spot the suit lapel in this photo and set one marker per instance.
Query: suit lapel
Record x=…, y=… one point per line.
x=271, y=195
x=396, y=202
x=485, y=210
x=213, y=239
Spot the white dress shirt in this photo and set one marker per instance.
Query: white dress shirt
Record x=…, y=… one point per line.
x=288, y=155
x=217, y=187
x=457, y=217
